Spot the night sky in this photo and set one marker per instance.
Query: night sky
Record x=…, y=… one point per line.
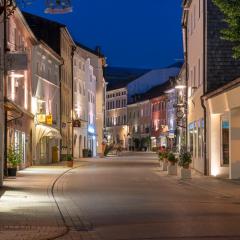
x=131, y=33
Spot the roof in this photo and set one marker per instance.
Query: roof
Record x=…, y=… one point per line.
x=227, y=87
x=96, y=52
x=154, y=92
x=119, y=77
x=45, y=29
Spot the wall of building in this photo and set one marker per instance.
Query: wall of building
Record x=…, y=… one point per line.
x=1, y=101
x=18, y=88
x=116, y=116
x=221, y=66
x=80, y=103
x=224, y=107
x=96, y=62
x=159, y=121
x=91, y=83
x=66, y=92
x=195, y=30
x=45, y=100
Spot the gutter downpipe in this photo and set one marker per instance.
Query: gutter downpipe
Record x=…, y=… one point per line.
x=5, y=50
x=72, y=69
x=60, y=104
x=206, y=172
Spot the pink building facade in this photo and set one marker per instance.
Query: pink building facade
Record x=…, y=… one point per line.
x=18, y=88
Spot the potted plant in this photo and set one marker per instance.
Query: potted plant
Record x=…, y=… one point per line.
x=185, y=159
x=14, y=158
x=172, y=167
x=165, y=159
x=69, y=161
x=160, y=159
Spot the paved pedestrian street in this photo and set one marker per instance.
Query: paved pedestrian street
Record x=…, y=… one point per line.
x=117, y=198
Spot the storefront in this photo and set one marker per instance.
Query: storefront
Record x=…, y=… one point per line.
x=47, y=144
x=223, y=108
x=92, y=140
x=19, y=132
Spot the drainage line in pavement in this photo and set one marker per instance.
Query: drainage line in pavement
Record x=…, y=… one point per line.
x=58, y=207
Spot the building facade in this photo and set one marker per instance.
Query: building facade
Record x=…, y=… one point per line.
x=46, y=104
x=2, y=123
x=62, y=43
x=97, y=61
x=208, y=68
x=80, y=104
x=18, y=94
x=223, y=111
x=159, y=122
x=91, y=82
x=116, y=116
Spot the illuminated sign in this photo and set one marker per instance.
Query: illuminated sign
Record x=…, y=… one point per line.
x=49, y=119
x=91, y=129
x=41, y=118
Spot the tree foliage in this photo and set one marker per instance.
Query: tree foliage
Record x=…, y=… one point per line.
x=231, y=11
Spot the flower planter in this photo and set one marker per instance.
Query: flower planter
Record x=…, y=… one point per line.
x=165, y=165
x=172, y=169
x=70, y=164
x=12, y=172
x=185, y=173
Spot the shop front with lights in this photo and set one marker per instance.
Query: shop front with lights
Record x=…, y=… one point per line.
x=92, y=140
x=19, y=132
x=223, y=108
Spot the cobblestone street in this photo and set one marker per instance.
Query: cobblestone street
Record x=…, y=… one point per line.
x=124, y=197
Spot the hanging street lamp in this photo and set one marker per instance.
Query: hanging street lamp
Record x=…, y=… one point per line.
x=58, y=6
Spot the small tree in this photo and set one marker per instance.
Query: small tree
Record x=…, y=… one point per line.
x=14, y=156
x=231, y=11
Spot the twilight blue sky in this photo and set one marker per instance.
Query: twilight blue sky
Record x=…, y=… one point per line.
x=131, y=33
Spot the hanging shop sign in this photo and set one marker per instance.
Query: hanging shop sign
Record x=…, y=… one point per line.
x=41, y=118
x=76, y=123
x=49, y=119
x=16, y=61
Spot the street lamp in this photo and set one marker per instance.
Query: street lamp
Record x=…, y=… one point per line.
x=58, y=6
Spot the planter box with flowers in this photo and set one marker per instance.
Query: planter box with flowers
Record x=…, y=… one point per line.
x=172, y=167
x=69, y=161
x=162, y=156
x=185, y=159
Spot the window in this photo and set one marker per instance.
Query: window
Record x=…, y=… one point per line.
x=194, y=16
x=194, y=77
x=199, y=8
x=199, y=72
x=225, y=141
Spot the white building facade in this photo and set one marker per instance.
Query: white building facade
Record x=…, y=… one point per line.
x=46, y=104
x=80, y=105
x=91, y=96
x=97, y=61
x=116, y=116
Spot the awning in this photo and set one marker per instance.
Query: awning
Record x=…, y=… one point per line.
x=46, y=131
x=13, y=111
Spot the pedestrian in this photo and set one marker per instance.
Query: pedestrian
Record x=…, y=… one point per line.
x=104, y=144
